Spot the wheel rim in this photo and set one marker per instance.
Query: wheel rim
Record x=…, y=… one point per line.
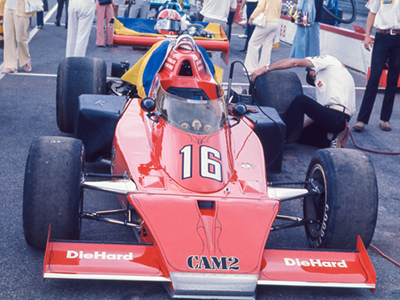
x=316, y=206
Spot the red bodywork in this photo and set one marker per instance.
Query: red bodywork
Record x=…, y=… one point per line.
x=206, y=218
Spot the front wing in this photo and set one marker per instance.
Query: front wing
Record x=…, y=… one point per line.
x=138, y=262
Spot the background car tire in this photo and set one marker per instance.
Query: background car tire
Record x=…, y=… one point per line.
x=52, y=190
x=349, y=205
x=77, y=76
x=277, y=89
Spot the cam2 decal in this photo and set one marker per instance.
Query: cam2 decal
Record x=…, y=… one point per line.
x=223, y=263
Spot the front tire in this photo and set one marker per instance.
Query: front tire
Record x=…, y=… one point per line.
x=52, y=190
x=348, y=204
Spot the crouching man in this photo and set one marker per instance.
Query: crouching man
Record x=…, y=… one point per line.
x=335, y=103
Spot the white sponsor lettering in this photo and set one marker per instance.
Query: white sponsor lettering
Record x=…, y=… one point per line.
x=99, y=255
x=169, y=66
x=314, y=263
x=172, y=61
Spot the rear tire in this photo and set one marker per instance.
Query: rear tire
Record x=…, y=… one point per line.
x=277, y=89
x=348, y=205
x=77, y=76
x=52, y=190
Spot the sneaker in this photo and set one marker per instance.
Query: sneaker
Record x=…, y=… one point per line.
x=339, y=140
x=359, y=126
x=334, y=142
x=242, y=36
x=385, y=125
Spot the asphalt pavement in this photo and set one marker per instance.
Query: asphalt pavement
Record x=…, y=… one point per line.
x=27, y=110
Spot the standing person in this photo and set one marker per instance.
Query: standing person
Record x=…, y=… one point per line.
x=40, y=14
x=116, y=4
x=60, y=6
x=306, y=40
x=15, y=27
x=81, y=15
x=231, y=17
x=263, y=36
x=385, y=17
x=2, y=2
x=138, y=8
x=217, y=11
x=336, y=102
x=104, y=12
x=39, y=19
x=250, y=7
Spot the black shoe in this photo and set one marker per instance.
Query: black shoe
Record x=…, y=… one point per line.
x=57, y=23
x=243, y=50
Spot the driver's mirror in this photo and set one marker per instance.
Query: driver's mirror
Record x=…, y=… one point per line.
x=148, y=104
x=239, y=110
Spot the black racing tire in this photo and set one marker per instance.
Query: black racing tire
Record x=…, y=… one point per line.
x=348, y=206
x=277, y=89
x=77, y=76
x=52, y=190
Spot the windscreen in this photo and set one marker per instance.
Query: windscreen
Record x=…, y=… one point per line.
x=194, y=116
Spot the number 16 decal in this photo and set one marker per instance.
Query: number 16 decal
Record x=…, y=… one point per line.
x=209, y=166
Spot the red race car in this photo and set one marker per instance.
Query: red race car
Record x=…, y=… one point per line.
x=191, y=181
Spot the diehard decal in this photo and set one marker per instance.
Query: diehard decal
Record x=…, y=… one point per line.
x=98, y=255
x=314, y=263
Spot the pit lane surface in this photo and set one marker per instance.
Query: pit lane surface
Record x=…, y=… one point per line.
x=27, y=110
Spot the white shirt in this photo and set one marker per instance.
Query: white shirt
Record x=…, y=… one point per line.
x=11, y=4
x=387, y=13
x=218, y=9
x=334, y=84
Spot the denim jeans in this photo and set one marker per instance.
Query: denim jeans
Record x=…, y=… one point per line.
x=306, y=42
x=39, y=18
x=386, y=49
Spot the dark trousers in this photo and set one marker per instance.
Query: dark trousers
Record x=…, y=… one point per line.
x=60, y=10
x=326, y=121
x=386, y=49
x=39, y=18
x=231, y=17
x=250, y=7
x=39, y=14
